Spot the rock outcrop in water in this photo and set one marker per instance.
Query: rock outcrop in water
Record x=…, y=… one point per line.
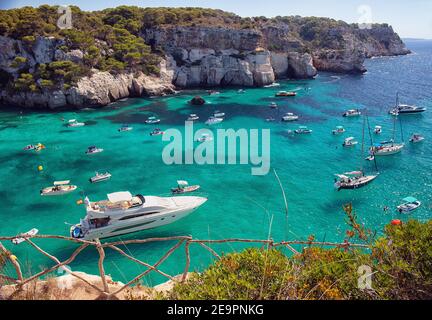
x=197, y=55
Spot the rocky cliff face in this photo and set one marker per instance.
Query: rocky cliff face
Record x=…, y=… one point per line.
x=201, y=57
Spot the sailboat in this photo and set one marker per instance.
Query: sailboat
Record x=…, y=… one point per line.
x=387, y=148
x=354, y=179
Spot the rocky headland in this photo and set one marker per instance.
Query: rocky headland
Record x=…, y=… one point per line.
x=35, y=68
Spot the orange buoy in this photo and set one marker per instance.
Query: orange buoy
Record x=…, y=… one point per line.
x=40, y=168
x=396, y=222
x=79, y=202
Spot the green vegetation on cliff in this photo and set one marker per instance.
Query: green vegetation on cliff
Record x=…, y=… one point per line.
x=401, y=263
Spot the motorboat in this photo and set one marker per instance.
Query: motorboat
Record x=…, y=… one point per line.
x=273, y=105
x=100, y=177
x=241, y=91
x=205, y=137
x=59, y=188
x=378, y=130
x=212, y=92
x=286, y=94
x=29, y=147
x=184, y=187
x=75, y=123
x=93, y=150
x=350, y=142
x=370, y=158
x=303, y=130
x=386, y=148
x=352, y=113
x=121, y=213
x=218, y=114
x=409, y=204
x=353, y=180
x=152, y=120
x=338, y=130
x=22, y=237
x=157, y=132
x=125, y=127
x=39, y=147
x=416, y=138
x=270, y=119
x=290, y=117
x=213, y=120
x=405, y=108
x=192, y=117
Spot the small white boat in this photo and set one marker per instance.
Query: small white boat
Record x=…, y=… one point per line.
x=218, y=114
x=286, y=94
x=205, y=137
x=152, y=120
x=213, y=120
x=184, y=187
x=93, y=150
x=21, y=237
x=352, y=113
x=378, y=130
x=273, y=105
x=157, y=132
x=270, y=119
x=29, y=147
x=59, y=188
x=125, y=127
x=303, y=130
x=192, y=117
x=212, y=92
x=75, y=123
x=100, y=177
x=290, y=117
x=370, y=158
x=338, y=130
x=416, y=138
x=409, y=204
x=350, y=142
x=241, y=91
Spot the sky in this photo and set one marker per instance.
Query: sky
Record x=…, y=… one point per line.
x=411, y=19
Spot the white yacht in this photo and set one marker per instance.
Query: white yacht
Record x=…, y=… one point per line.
x=75, y=123
x=339, y=130
x=193, y=117
x=123, y=213
x=152, y=120
x=386, y=148
x=416, y=138
x=352, y=113
x=93, y=150
x=100, y=177
x=350, y=142
x=124, y=128
x=290, y=117
x=213, y=120
x=218, y=114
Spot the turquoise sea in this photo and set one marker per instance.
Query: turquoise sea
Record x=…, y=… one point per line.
x=240, y=205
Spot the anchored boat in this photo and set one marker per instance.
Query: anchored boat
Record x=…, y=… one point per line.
x=290, y=117
x=121, y=213
x=350, y=142
x=184, y=187
x=352, y=113
x=75, y=123
x=152, y=120
x=416, y=138
x=286, y=94
x=93, y=150
x=100, y=177
x=338, y=130
x=303, y=130
x=59, y=188
x=213, y=120
x=409, y=204
x=192, y=117
x=405, y=108
x=125, y=127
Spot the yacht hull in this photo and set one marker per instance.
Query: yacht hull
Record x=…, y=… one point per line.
x=138, y=224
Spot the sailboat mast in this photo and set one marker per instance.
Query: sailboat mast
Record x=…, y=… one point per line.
x=363, y=140
x=371, y=141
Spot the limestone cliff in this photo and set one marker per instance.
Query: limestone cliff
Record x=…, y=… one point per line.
x=195, y=55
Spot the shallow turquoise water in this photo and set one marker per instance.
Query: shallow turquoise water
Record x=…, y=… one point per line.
x=240, y=205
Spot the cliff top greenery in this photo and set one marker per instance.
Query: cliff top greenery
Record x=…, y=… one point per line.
x=111, y=40
x=400, y=262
